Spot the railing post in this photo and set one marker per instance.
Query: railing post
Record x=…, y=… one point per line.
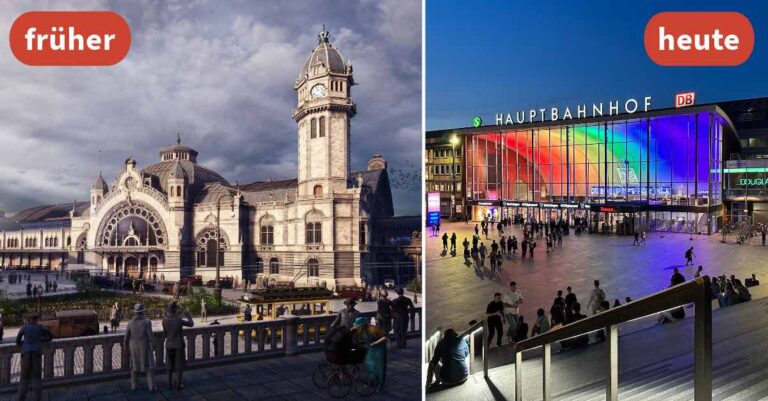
x=290, y=335
x=247, y=329
x=518, y=375
x=472, y=353
x=88, y=357
x=5, y=366
x=106, y=350
x=69, y=360
x=547, y=370
x=612, y=389
x=485, y=347
x=702, y=343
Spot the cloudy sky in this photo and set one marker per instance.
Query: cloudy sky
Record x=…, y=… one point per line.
x=219, y=72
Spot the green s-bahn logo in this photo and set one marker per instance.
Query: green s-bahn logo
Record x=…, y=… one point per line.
x=477, y=121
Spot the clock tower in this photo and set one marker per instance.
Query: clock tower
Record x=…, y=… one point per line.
x=323, y=111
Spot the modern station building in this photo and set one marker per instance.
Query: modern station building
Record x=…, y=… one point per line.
x=679, y=170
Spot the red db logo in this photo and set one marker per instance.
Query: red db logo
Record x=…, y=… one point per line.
x=699, y=38
x=685, y=99
x=70, y=38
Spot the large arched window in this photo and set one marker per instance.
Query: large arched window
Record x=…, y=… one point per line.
x=274, y=266
x=313, y=128
x=206, y=248
x=322, y=127
x=313, y=268
x=267, y=224
x=259, y=265
x=132, y=220
x=314, y=233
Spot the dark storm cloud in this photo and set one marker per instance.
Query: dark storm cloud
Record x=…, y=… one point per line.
x=219, y=72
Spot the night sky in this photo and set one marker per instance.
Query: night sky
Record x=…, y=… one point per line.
x=504, y=56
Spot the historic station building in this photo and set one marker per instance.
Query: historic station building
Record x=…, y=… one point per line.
x=177, y=218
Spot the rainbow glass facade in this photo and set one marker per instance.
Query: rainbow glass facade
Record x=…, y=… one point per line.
x=671, y=159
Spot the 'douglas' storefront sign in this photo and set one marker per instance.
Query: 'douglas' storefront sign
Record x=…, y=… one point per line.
x=753, y=182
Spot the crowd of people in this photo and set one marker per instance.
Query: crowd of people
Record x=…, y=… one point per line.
x=476, y=252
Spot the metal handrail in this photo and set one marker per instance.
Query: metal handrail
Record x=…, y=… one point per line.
x=697, y=291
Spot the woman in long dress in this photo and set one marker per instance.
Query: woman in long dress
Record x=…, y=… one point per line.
x=374, y=340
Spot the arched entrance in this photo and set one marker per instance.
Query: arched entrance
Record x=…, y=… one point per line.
x=132, y=266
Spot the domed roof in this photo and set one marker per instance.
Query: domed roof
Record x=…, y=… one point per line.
x=178, y=151
x=197, y=175
x=325, y=55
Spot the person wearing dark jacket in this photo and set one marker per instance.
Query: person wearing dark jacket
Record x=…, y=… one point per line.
x=173, y=326
x=384, y=312
x=31, y=338
x=402, y=312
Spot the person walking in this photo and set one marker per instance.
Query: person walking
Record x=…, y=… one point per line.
x=31, y=338
x=114, y=317
x=524, y=247
x=494, y=312
x=596, y=298
x=203, y=310
x=513, y=245
x=483, y=251
x=453, y=242
x=384, y=312
x=173, y=326
x=689, y=256
x=445, y=242
x=531, y=247
x=402, y=313
x=699, y=271
x=139, y=341
x=512, y=301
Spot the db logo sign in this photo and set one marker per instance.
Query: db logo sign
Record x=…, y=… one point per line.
x=70, y=38
x=699, y=39
x=685, y=99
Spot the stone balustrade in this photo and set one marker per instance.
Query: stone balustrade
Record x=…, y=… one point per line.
x=86, y=359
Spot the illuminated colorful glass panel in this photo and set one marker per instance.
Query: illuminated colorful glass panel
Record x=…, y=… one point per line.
x=664, y=159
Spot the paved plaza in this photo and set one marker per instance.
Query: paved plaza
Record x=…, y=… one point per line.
x=286, y=378
x=457, y=294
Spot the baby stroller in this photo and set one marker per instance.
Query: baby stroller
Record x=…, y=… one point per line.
x=342, y=368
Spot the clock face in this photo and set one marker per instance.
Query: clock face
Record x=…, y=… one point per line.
x=318, y=91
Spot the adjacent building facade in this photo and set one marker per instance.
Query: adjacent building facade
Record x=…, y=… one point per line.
x=177, y=218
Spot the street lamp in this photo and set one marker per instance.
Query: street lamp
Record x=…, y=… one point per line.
x=217, y=286
x=454, y=141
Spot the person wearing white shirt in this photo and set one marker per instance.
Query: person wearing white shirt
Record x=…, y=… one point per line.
x=512, y=301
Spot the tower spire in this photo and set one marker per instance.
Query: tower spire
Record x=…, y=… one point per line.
x=324, y=36
x=178, y=138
